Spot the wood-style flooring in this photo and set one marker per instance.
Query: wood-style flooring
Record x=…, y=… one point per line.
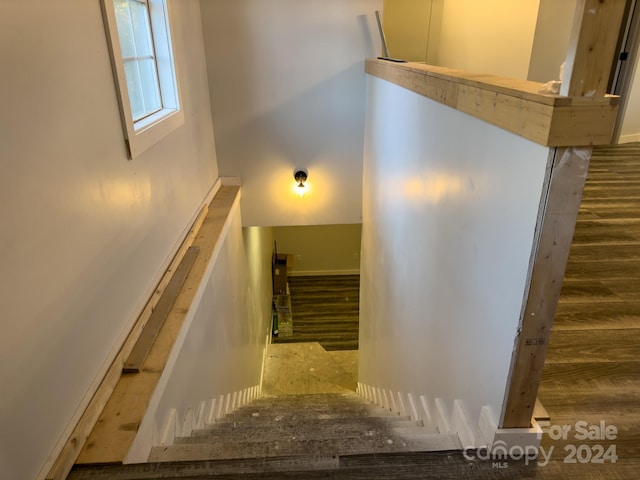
x=592, y=369
x=324, y=309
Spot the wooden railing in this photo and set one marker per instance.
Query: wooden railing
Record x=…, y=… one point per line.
x=109, y=425
x=518, y=106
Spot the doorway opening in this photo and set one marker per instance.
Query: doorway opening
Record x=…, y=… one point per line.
x=316, y=279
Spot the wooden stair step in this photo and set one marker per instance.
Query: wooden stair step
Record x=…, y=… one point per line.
x=326, y=430
x=292, y=412
x=320, y=338
x=324, y=309
x=311, y=328
x=320, y=317
x=324, y=326
x=206, y=468
x=281, y=419
x=443, y=465
x=345, y=445
x=323, y=330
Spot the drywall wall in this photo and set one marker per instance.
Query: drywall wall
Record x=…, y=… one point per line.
x=85, y=231
x=258, y=242
x=492, y=36
x=551, y=39
x=630, y=129
x=287, y=90
x=320, y=249
x=450, y=206
x=220, y=349
x=407, y=28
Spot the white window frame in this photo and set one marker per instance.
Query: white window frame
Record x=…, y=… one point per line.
x=142, y=134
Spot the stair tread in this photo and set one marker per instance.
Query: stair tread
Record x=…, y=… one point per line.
x=281, y=422
x=441, y=465
x=325, y=309
x=327, y=323
x=317, y=338
x=264, y=415
x=310, y=431
x=345, y=445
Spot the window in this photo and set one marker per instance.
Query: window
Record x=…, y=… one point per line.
x=141, y=52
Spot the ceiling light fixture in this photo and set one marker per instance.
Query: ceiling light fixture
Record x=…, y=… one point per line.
x=300, y=175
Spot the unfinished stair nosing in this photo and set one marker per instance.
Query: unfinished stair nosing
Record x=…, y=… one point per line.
x=330, y=424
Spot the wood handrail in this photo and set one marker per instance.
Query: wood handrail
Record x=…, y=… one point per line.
x=518, y=106
x=109, y=425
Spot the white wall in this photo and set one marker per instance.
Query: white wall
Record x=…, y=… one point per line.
x=551, y=40
x=491, y=36
x=287, y=90
x=85, y=231
x=220, y=348
x=450, y=206
x=258, y=243
x=630, y=129
x=320, y=249
x=407, y=28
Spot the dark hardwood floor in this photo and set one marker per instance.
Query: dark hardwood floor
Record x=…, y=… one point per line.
x=324, y=309
x=592, y=369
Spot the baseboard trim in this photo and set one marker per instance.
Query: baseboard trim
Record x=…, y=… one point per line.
x=413, y=409
x=201, y=417
x=207, y=416
x=443, y=417
x=487, y=424
x=169, y=431
x=427, y=411
x=436, y=414
x=461, y=425
x=500, y=441
x=629, y=138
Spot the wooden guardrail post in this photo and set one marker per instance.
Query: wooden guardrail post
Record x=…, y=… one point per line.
x=591, y=53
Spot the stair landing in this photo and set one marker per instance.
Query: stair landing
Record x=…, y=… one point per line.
x=307, y=368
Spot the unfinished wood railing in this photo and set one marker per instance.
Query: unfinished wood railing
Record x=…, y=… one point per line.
x=518, y=106
x=569, y=123
x=109, y=425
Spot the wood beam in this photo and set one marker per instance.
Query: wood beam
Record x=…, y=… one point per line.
x=597, y=25
x=592, y=47
x=150, y=332
x=517, y=106
x=567, y=171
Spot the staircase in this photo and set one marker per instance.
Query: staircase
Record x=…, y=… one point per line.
x=322, y=424
x=324, y=309
x=291, y=436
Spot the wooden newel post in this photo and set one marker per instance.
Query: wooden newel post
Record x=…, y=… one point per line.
x=592, y=50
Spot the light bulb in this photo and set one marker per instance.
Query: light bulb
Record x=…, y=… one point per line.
x=300, y=176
